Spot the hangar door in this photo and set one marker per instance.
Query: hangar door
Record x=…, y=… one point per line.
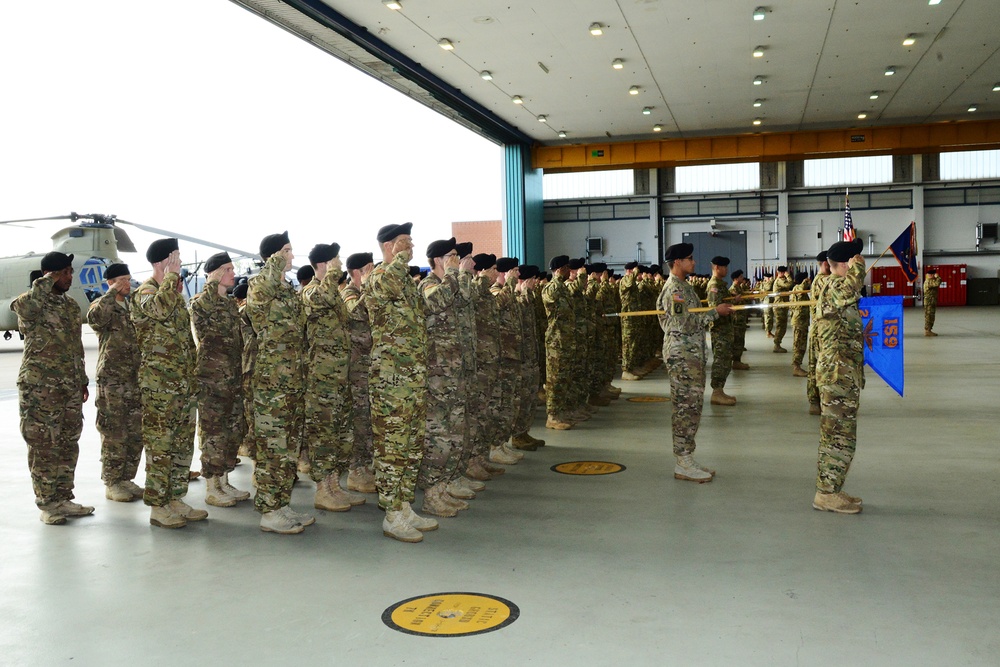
x=709, y=244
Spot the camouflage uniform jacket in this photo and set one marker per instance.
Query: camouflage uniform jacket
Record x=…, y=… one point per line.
x=739, y=316
x=398, y=321
x=510, y=321
x=718, y=292
x=328, y=337
x=628, y=289
x=278, y=316
x=53, y=341
x=783, y=284
x=839, y=331
x=800, y=314
x=817, y=282
x=220, y=339
x=932, y=283
x=684, y=332
x=444, y=336
x=249, y=356
x=118, y=356
x=529, y=343
x=361, y=333
x=466, y=303
x=163, y=329
x=487, y=322
x=558, y=313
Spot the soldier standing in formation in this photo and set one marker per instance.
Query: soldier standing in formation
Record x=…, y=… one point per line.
x=511, y=350
x=782, y=283
x=739, y=287
x=684, y=353
x=397, y=383
x=839, y=374
x=722, y=333
x=559, y=344
x=530, y=373
x=52, y=387
x=167, y=385
x=812, y=392
x=932, y=284
x=764, y=285
x=119, y=412
x=628, y=289
x=277, y=315
x=487, y=400
x=800, y=324
x=221, y=425
x=361, y=478
x=248, y=361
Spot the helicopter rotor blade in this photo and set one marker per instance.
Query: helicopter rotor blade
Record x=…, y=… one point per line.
x=72, y=216
x=191, y=239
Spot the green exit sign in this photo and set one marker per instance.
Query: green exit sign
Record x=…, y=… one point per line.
x=599, y=153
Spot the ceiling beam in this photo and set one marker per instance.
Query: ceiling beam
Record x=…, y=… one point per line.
x=770, y=147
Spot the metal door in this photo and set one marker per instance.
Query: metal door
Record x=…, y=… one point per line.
x=710, y=244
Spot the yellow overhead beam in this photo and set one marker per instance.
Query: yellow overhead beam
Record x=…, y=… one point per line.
x=770, y=147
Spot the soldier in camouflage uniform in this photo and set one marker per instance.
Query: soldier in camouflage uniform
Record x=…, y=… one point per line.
x=119, y=415
x=800, y=323
x=608, y=332
x=782, y=283
x=168, y=389
x=52, y=387
x=277, y=314
x=397, y=383
x=248, y=362
x=765, y=285
x=932, y=284
x=739, y=287
x=594, y=380
x=328, y=402
x=839, y=374
x=685, y=356
x=628, y=289
x=221, y=425
x=511, y=351
x=812, y=392
x=360, y=478
x=559, y=344
x=528, y=387
x=722, y=333
x=465, y=304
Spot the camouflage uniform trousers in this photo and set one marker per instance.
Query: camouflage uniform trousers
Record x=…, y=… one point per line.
x=529, y=399
x=279, y=417
x=51, y=424
x=329, y=433
x=557, y=378
x=768, y=316
x=168, y=425
x=510, y=398
x=739, y=338
x=722, y=352
x=800, y=339
x=812, y=390
x=361, y=417
x=221, y=427
x=631, y=343
x=837, y=433
x=119, y=421
x=249, y=433
x=687, y=393
x=930, y=312
x=486, y=408
x=780, y=325
x=446, y=429
x=399, y=414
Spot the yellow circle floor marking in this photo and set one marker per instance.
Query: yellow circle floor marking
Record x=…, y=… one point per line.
x=451, y=614
x=649, y=399
x=587, y=468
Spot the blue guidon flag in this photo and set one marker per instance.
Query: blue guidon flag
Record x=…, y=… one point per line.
x=905, y=250
x=882, y=317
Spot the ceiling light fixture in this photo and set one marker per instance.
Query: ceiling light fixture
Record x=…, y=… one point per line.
x=759, y=14
x=657, y=128
x=634, y=90
x=517, y=99
x=910, y=40
x=889, y=71
x=562, y=134
x=873, y=95
x=618, y=63
x=996, y=87
x=543, y=118
x=446, y=44
x=862, y=115
x=486, y=75
x=596, y=29
x=647, y=110
x=972, y=107
x=758, y=102
x=757, y=121
x=933, y=2
x=758, y=52
x=392, y=4
x=758, y=80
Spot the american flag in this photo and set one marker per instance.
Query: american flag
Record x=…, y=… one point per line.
x=848, y=222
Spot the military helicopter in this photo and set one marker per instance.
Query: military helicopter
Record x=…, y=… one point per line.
x=94, y=240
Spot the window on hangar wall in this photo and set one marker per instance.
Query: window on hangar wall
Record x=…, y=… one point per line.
x=970, y=164
x=586, y=184
x=848, y=171
x=718, y=178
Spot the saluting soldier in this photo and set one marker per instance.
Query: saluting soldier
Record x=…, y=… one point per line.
x=119, y=412
x=800, y=323
x=249, y=360
x=812, y=392
x=722, y=333
x=782, y=283
x=628, y=289
x=685, y=356
x=216, y=319
x=740, y=286
x=52, y=387
x=511, y=333
x=527, y=275
x=932, y=285
x=167, y=381
x=559, y=345
x=764, y=285
x=361, y=478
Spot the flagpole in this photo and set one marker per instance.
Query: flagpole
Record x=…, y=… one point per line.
x=887, y=249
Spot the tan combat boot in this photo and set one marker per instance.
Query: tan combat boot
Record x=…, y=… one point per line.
x=687, y=469
x=835, y=502
x=134, y=489
x=420, y=523
x=476, y=471
x=523, y=442
x=329, y=497
x=499, y=455
x=720, y=397
x=778, y=349
x=71, y=509
x=189, y=513
x=629, y=375
x=740, y=366
x=509, y=449
x=280, y=522
x=51, y=517
x=298, y=517
x=436, y=502
x=456, y=489
x=361, y=480
x=849, y=498
x=537, y=441
x=239, y=494
x=119, y=493
x=216, y=495
x=489, y=466
x=354, y=498
x=798, y=372
x=396, y=526
x=470, y=483
x=598, y=402
x=165, y=517
x=557, y=424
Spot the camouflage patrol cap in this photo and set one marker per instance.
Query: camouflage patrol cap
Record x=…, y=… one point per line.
x=160, y=249
x=240, y=291
x=305, y=274
x=719, y=260
x=484, y=261
x=322, y=253
x=576, y=263
x=273, y=243
x=678, y=251
x=115, y=270
x=464, y=249
x=389, y=232
x=216, y=261
x=841, y=251
x=558, y=262
x=56, y=261
x=359, y=260
x=440, y=248
x=505, y=264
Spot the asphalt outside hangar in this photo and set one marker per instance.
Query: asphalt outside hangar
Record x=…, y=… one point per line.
x=587, y=552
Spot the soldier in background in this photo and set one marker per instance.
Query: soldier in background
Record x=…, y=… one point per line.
x=722, y=332
x=594, y=379
x=739, y=287
x=840, y=374
x=580, y=409
x=216, y=319
x=812, y=392
x=119, y=413
x=167, y=383
x=468, y=295
x=932, y=284
x=782, y=283
x=397, y=383
x=328, y=403
x=511, y=333
x=628, y=290
x=277, y=314
x=559, y=345
x=800, y=324
x=528, y=387
x=608, y=332
x=764, y=285
x=360, y=478
x=248, y=361
x=52, y=387
x=684, y=353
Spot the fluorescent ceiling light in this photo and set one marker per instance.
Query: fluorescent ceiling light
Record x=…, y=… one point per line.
x=634, y=90
x=972, y=107
x=446, y=44
x=517, y=99
x=757, y=80
x=873, y=95
x=758, y=52
x=618, y=63
x=759, y=14
x=889, y=71
x=910, y=40
x=392, y=4
x=486, y=75
x=757, y=103
x=996, y=87
x=647, y=110
x=596, y=29
x=862, y=115
x=933, y=2
x=543, y=118
x=657, y=128
x=562, y=134
x=757, y=121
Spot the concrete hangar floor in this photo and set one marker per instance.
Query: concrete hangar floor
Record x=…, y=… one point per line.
x=630, y=568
